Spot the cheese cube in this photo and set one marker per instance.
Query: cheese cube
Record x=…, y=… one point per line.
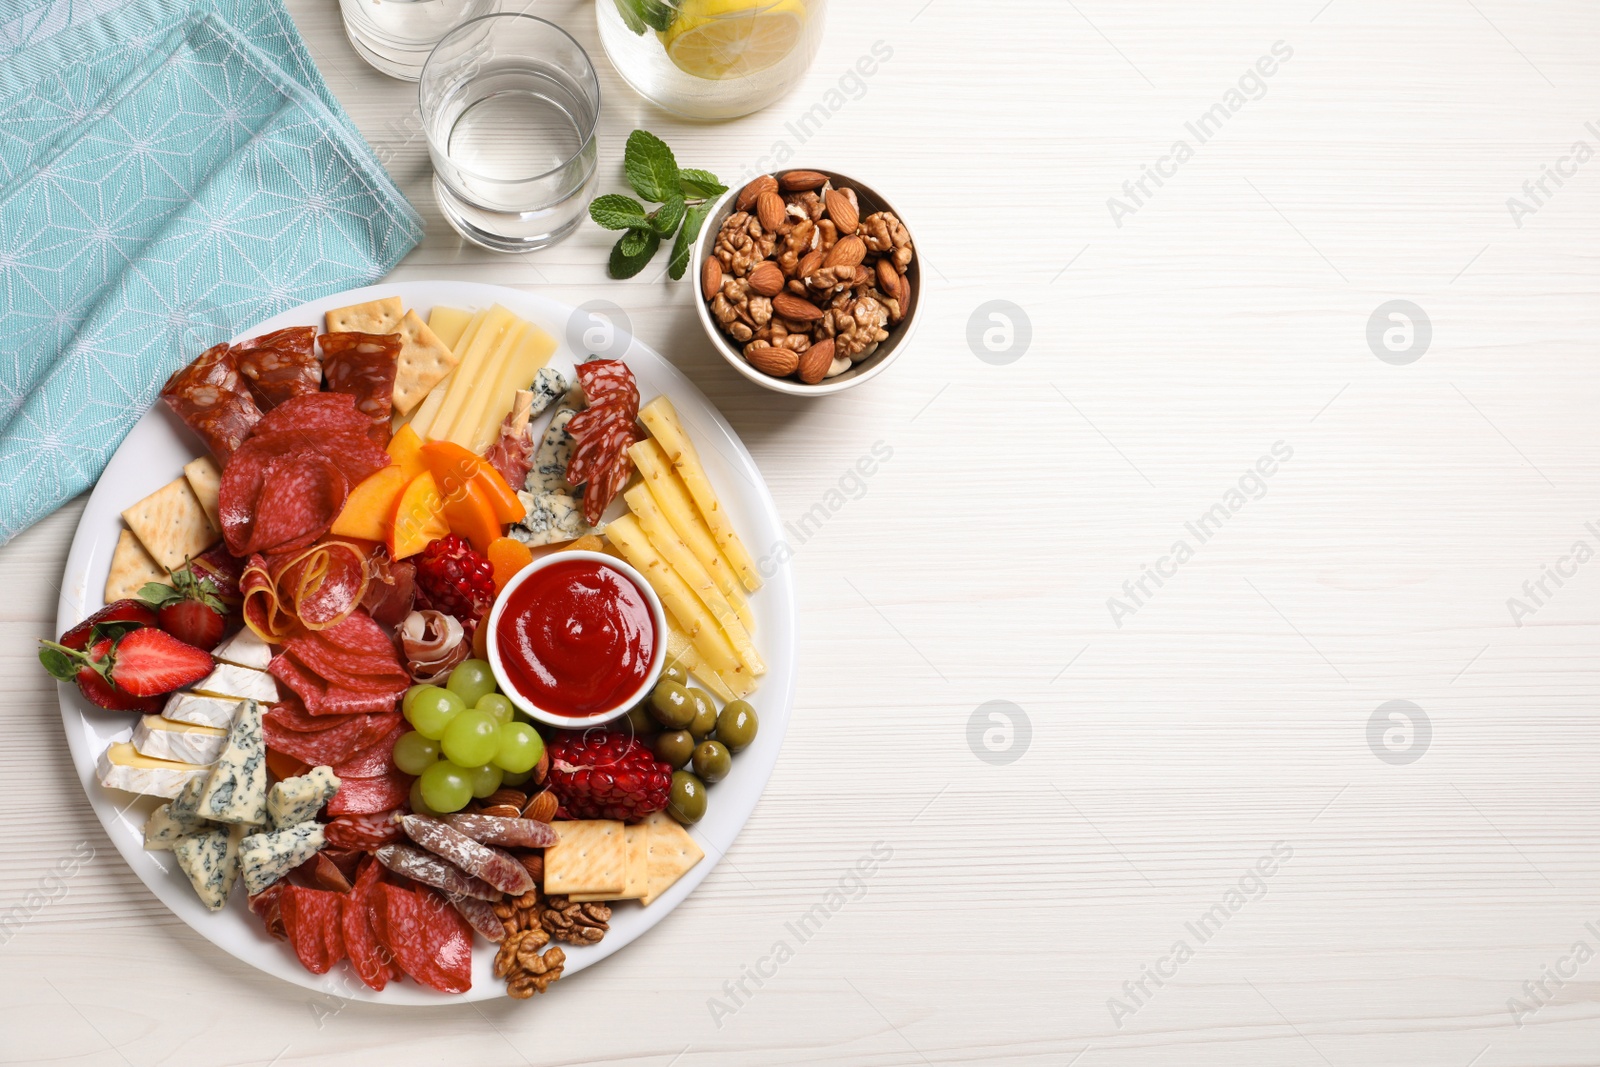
x=161, y=738
x=298, y=799
x=163, y=829
x=551, y=519
x=193, y=708
x=244, y=649
x=236, y=789
x=548, y=387
x=211, y=860
x=265, y=858
x=240, y=683
x=122, y=767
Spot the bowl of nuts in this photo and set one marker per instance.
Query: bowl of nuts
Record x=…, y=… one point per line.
x=808, y=281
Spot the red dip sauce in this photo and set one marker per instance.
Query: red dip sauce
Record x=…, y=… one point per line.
x=576, y=637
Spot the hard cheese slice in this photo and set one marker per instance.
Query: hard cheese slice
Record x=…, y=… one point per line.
x=464, y=380
x=236, y=789
x=267, y=857
x=161, y=738
x=122, y=767
x=298, y=799
x=211, y=860
x=448, y=324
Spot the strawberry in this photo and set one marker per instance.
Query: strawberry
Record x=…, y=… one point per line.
x=188, y=609
x=136, y=612
x=146, y=662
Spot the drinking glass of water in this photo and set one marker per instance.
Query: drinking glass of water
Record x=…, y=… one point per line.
x=395, y=36
x=509, y=104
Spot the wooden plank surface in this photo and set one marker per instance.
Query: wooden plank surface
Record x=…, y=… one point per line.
x=1219, y=726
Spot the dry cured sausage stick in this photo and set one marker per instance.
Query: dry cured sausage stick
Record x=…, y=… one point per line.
x=499, y=869
x=494, y=830
x=429, y=869
x=480, y=916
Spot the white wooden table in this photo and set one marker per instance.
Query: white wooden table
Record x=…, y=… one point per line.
x=1032, y=911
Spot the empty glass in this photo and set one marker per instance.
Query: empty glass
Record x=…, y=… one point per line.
x=509, y=104
x=395, y=36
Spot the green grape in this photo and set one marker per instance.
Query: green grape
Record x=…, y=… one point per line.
x=471, y=681
x=446, y=787
x=411, y=694
x=414, y=753
x=471, y=739
x=520, y=748
x=419, y=805
x=496, y=705
x=432, y=711
x=485, y=779
x=515, y=778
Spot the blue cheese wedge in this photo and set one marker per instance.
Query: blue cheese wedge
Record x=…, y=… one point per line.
x=122, y=767
x=549, y=471
x=186, y=805
x=551, y=519
x=298, y=799
x=265, y=858
x=184, y=742
x=244, y=649
x=236, y=789
x=548, y=386
x=164, y=829
x=216, y=712
x=240, y=683
x=211, y=860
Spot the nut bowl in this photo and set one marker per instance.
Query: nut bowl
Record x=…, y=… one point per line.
x=868, y=201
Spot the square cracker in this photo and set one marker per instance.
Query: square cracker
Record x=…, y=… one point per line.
x=131, y=568
x=171, y=524
x=375, y=316
x=672, y=853
x=589, y=858
x=424, y=361
x=205, y=478
x=636, y=868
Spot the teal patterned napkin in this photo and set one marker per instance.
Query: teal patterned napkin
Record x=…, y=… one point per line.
x=171, y=173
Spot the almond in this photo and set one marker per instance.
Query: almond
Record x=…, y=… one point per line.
x=815, y=361
x=771, y=211
x=846, y=252
x=809, y=264
x=863, y=276
x=747, y=196
x=842, y=211
x=889, y=280
x=766, y=278
x=778, y=362
x=711, y=277
x=795, y=309
x=800, y=181
x=504, y=811
x=542, y=807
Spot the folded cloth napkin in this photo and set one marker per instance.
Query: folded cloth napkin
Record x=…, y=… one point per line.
x=171, y=172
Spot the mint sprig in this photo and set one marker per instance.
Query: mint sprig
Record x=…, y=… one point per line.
x=641, y=15
x=684, y=196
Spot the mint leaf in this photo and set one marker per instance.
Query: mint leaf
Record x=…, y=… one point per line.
x=700, y=184
x=617, y=212
x=632, y=15
x=684, y=245
x=632, y=252
x=659, y=14
x=665, y=218
x=650, y=166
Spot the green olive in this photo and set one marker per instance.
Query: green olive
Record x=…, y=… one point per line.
x=737, y=725
x=712, y=761
x=674, y=672
x=672, y=706
x=675, y=747
x=705, y=713
x=640, y=723
x=687, y=803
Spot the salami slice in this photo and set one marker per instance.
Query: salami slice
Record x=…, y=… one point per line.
x=363, y=366
x=499, y=869
x=280, y=366
x=315, y=414
x=494, y=830
x=361, y=796
x=290, y=714
x=298, y=499
x=603, y=377
x=603, y=432
x=332, y=746
x=480, y=916
x=375, y=759
x=212, y=398
x=429, y=940
x=360, y=636
x=321, y=698
x=363, y=832
x=311, y=922
x=373, y=963
x=429, y=869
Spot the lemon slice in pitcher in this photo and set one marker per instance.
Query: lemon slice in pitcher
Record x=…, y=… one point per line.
x=721, y=39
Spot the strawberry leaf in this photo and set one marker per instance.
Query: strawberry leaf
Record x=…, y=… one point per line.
x=159, y=594
x=58, y=663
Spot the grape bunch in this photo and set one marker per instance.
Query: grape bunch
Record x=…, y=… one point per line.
x=464, y=741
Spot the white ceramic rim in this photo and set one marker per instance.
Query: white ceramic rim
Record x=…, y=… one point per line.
x=900, y=338
x=658, y=657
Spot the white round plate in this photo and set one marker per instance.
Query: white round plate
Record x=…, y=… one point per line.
x=154, y=454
